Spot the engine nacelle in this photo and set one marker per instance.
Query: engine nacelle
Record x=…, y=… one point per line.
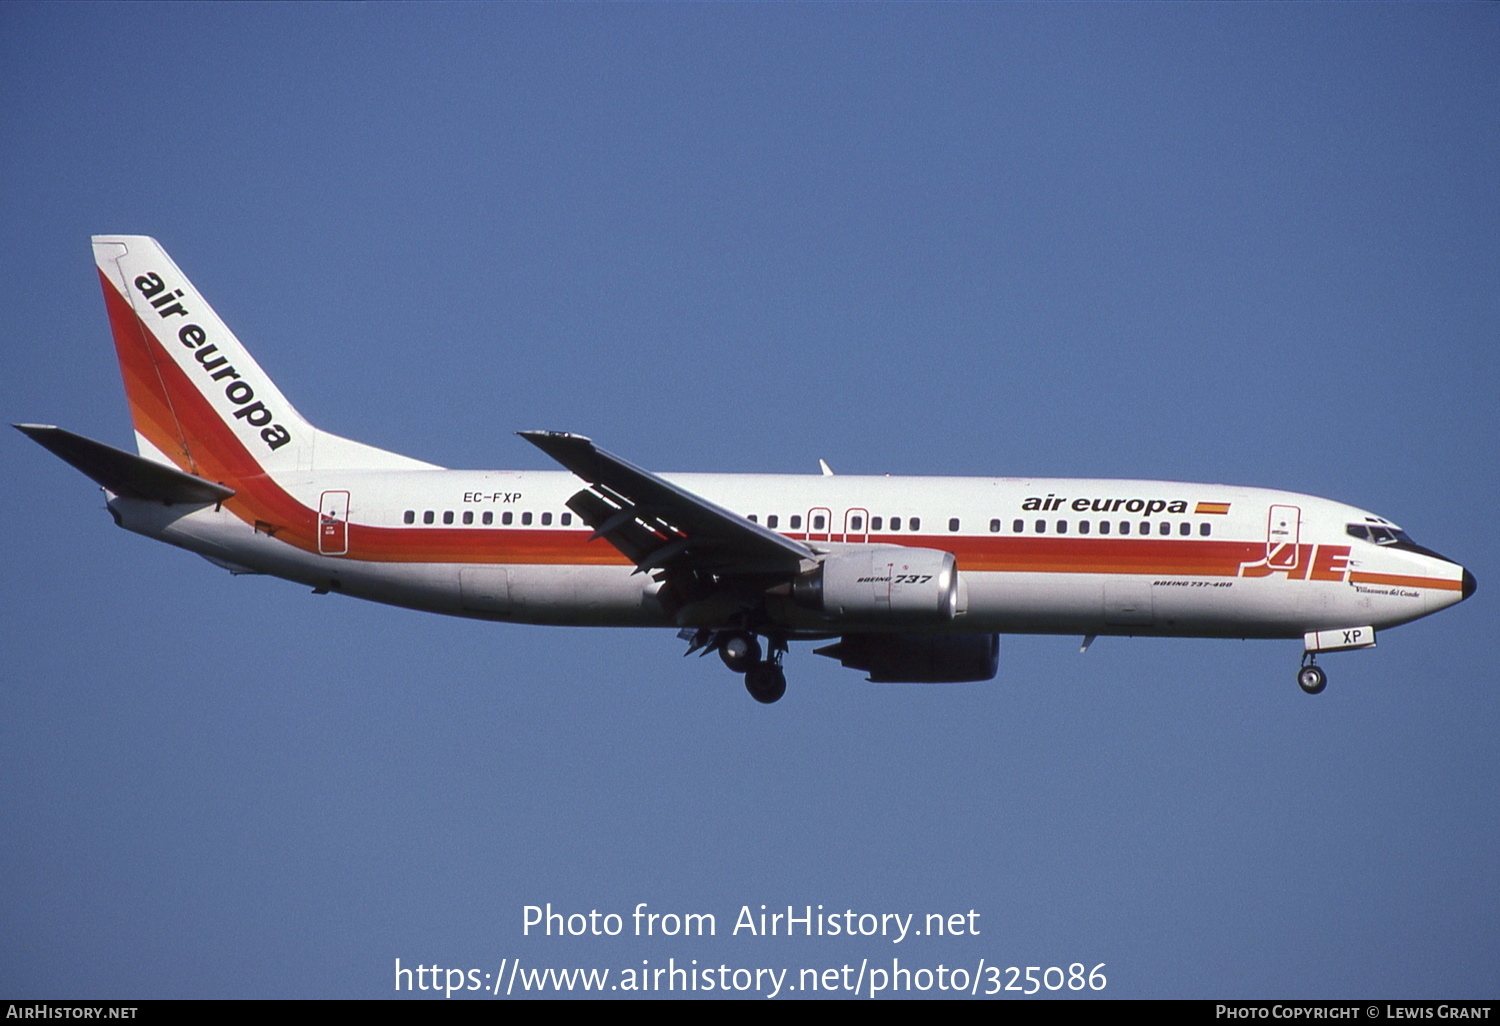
x=919, y=658
x=882, y=585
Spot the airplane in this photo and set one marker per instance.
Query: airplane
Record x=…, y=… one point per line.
x=909, y=579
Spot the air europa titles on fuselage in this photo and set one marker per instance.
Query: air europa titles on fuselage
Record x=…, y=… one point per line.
x=251, y=410
x=1146, y=507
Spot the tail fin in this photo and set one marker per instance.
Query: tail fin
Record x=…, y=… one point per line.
x=197, y=399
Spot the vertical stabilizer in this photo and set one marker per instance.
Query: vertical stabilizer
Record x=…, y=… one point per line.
x=197, y=399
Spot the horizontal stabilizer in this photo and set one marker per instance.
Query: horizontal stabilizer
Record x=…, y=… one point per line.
x=123, y=473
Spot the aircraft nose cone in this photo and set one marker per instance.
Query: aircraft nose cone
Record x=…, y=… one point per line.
x=1469, y=584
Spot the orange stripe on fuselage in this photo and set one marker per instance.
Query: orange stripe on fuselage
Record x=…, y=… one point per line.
x=480, y=545
x=1405, y=581
x=1176, y=557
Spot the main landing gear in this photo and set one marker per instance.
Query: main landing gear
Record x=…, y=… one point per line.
x=766, y=682
x=764, y=678
x=1311, y=678
x=741, y=653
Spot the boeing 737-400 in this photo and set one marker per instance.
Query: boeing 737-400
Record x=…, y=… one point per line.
x=910, y=579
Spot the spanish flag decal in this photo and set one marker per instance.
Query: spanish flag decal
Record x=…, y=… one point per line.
x=1211, y=507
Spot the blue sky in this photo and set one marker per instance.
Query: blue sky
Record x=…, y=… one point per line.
x=1243, y=243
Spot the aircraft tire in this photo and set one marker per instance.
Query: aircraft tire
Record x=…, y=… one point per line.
x=1312, y=679
x=766, y=682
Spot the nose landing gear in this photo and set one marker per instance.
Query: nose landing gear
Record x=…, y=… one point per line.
x=1311, y=678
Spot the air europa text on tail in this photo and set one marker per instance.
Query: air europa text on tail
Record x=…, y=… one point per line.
x=166, y=303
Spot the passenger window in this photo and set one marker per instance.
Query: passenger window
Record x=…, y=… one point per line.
x=771, y=520
x=1164, y=529
x=1083, y=527
x=1204, y=529
x=818, y=522
x=895, y=523
x=1185, y=529
x=526, y=519
x=1104, y=527
x=857, y=523
x=1124, y=526
x=427, y=516
x=1041, y=527
x=874, y=523
x=995, y=526
x=409, y=517
x=753, y=518
x=916, y=523
x=1018, y=526
x=507, y=518
x=1145, y=528
x=953, y=523
x=448, y=516
x=546, y=519
x=796, y=521
x=1062, y=527
x=468, y=516
x=567, y=519
x=488, y=518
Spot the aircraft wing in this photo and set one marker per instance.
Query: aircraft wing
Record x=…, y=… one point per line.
x=659, y=526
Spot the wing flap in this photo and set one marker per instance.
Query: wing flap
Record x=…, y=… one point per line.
x=658, y=525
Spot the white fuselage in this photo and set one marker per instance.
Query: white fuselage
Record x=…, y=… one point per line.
x=1034, y=556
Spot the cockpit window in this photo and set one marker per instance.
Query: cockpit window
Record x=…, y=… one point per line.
x=1379, y=535
x=1393, y=537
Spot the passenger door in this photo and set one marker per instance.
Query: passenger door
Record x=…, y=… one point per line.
x=333, y=524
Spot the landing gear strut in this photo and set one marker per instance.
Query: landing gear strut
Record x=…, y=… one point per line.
x=1311, y=678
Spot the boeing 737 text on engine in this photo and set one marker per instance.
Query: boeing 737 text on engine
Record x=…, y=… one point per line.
x=912, y=580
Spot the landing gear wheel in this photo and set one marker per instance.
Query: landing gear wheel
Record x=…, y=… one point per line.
x=740, y=652
x=766, y=682
x=1312, y=679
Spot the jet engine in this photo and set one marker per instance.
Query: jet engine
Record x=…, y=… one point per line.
x=889, y=585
